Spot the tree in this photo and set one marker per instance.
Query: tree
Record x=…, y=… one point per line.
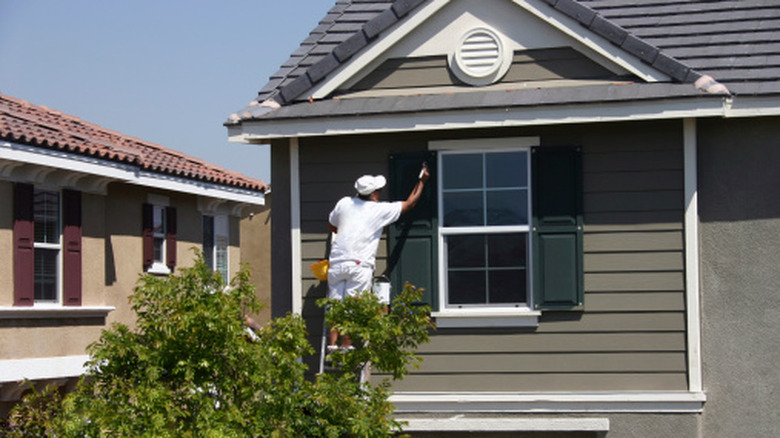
x=191, y=367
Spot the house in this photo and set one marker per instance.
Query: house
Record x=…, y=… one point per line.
x=85, y=211
x=599, y=239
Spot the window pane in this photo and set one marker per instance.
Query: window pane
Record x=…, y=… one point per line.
x=507, y=250
x=45, y=282
x=222, y=257
x=159, y=243
x=507, y=169
x=466, y=251
x=463, y=209
x=208, y=241
x=507, y=207
x=507, y=286
x=159, y=220
x=461, y=171
x=46, y=212
x=466, y=287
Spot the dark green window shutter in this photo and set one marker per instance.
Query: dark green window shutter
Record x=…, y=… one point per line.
x=557, y=227
x=412, y=241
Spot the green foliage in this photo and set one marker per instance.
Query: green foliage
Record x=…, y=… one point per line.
x=37, y=415
x=191, y=368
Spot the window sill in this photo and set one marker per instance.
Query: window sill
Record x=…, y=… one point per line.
x=158, y=269
x=55, y=312
x=451, y=318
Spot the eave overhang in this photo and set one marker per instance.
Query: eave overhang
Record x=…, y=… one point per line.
x=505, y=109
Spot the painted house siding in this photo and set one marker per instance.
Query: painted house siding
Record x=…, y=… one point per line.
x=529, y=65
x=631, y=334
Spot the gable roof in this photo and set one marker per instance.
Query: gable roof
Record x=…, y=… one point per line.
x=735, y=42
x=24, y=123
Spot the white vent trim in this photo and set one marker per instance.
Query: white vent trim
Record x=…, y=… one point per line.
x=480, y=58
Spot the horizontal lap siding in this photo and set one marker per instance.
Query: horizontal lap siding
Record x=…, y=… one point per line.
x=631, y=334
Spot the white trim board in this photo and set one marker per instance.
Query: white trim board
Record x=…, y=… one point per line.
x=692, y=273
x=38, y=312
x=295, y=227
x=549, y=402
x=482, y=424
x=26, y=154
x=15, y=370
x=264, y=131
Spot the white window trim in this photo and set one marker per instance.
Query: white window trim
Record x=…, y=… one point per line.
x=520, y=316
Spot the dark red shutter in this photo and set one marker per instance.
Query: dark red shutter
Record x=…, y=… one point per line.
x=147, y=235
x=170, y=237
x=71, y=258
x=24, y=237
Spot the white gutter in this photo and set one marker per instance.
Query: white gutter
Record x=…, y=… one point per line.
x=112, y=171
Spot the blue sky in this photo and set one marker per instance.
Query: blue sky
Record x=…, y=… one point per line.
x=169, y=72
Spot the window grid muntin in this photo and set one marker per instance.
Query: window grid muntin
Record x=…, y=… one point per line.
x=445, y=231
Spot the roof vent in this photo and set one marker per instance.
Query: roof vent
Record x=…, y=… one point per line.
x=480, y=58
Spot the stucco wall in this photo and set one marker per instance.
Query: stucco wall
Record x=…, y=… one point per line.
x=256, y=252
x=739, y=183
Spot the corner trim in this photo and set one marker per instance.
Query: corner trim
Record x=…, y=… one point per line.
x=295, y=226
x=692, y=273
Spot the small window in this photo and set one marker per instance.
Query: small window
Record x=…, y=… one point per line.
x=47, y=246
x=485, y=226
x=215, y=244
x=158, y=228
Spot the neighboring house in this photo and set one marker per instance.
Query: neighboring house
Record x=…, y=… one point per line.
x=85, y=211
x=599, y=241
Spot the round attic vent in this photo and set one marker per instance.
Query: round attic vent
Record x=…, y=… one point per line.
x=480, y=58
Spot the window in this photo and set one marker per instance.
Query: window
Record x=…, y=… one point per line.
x=159, y=236
x=215, y=244
x=47, y=246
x=484, y=217
x=497, y=234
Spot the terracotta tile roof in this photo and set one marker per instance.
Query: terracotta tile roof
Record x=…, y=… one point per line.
x=25, y=123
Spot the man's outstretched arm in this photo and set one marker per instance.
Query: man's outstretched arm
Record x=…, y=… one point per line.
x=411, y=201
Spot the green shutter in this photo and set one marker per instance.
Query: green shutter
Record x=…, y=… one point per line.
x=557, y=227
x=413, y=253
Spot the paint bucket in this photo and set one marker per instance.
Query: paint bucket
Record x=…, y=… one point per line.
x=381, y=289
x=320, y=270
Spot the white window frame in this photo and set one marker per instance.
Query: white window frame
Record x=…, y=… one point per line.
x=57, y=302
x=483, y=315
x=159, y=203
x=220, y=232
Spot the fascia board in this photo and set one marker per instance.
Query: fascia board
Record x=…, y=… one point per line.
x=588, y=38
x=753, y=106
x=124, y=173
x=376, y=49
x=264, y=131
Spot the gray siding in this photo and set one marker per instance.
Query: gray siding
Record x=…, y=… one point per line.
x=529, y=65
x=631, y=334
